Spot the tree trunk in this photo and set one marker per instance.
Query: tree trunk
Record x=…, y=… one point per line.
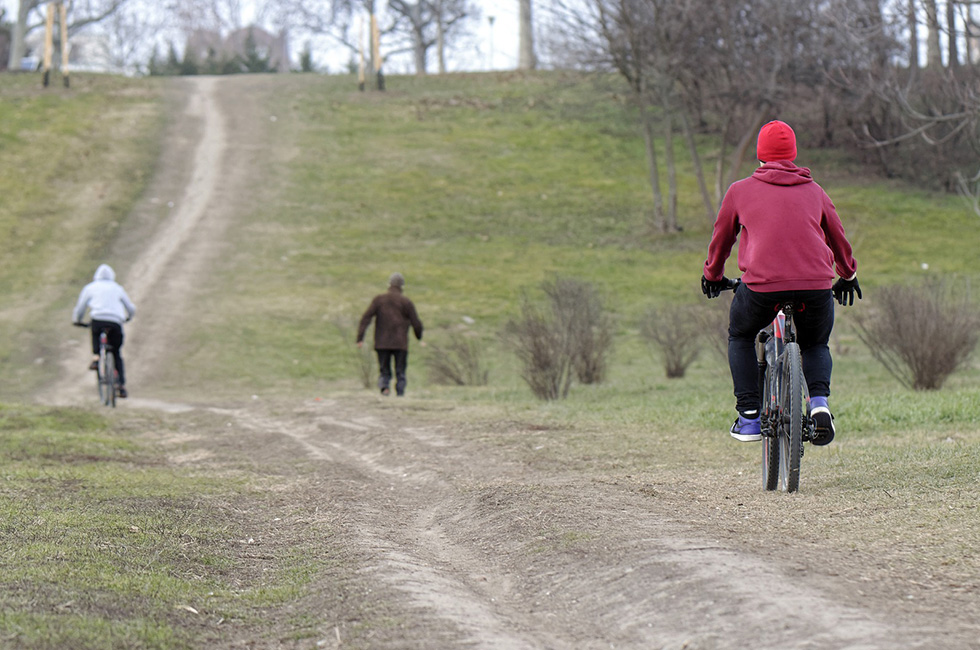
x=953, y=44
x=913, y=38
x=17, y=45
x=418, y=39
x=440, y=38
x=526, y=59
x=698, y=167
x=651, y=147
x=934, y=53
x=671, y=212
x=738, y=155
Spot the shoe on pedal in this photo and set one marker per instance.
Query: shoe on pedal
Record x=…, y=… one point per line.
x=823, y=422
x=747, y=429
x=122, y=392
x=94, y=365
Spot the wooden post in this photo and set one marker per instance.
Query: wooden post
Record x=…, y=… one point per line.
x=48, y=44
x=360, y=64
x=376, y=52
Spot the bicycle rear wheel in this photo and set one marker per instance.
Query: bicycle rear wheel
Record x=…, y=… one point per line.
x=109, y=385
x=791, y=402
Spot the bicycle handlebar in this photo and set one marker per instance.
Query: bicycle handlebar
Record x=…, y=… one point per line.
x=82, y=324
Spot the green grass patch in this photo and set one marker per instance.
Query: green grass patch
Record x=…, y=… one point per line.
x=105, y=543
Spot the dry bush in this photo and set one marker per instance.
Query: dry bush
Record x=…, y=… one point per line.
x=921, y=335
x=571, y=337
x=459, y=362
x=542, y=349
x=362, y=359
x=713, y=322
x=578, y=310
x=676, y=332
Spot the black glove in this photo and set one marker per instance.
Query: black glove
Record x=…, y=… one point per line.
x=844, y=291
x=714, y=289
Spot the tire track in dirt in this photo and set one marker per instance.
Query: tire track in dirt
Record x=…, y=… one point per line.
x=468, y=545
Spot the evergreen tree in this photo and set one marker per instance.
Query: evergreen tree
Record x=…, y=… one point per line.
x=253, y=60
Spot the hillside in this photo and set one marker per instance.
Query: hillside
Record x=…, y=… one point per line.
x=251, y=492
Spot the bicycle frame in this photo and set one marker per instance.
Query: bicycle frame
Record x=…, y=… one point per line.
x=770, y=347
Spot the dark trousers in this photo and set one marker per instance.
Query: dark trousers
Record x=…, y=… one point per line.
x=751, y=311
x=385, y=358
x=114, y=334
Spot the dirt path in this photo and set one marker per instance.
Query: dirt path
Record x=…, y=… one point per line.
x=498, y=553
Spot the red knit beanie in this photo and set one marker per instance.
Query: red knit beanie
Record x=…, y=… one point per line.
x=776, y=142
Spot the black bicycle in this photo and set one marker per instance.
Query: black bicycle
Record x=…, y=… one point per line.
x=106, y=373
x=785, y=418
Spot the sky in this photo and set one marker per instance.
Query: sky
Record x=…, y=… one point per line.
x=493, y=46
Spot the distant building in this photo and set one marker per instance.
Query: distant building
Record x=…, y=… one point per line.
x=204, y=44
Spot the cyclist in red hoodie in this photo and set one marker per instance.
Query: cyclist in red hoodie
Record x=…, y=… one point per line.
x=790, y=242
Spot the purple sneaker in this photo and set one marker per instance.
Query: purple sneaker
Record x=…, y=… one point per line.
x=747, y=429
x=823, y=422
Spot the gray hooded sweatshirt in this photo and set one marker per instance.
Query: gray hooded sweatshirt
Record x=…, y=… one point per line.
x=105, y=300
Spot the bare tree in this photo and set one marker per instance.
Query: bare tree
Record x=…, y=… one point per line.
x=128, y=36
x=420, y=25
x=411, y=26
x=732, y=59
x=81, y=14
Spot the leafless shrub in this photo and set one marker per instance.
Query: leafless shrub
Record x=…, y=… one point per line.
x=675, y=331
x=459, y=362
x=362, y=359
x=713, y=321
x=570, y=338
x=543, y=351
x=578, y=310
x=921, y=335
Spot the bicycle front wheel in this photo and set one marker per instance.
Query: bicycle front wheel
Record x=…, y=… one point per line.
x=791, y=419
x=770, y=440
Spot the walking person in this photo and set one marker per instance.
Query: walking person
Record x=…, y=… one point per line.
x=393, y=314
x=110, y=307
x=791, y=242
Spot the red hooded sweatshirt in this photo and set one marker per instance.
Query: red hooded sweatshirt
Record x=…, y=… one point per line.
x=790, y=237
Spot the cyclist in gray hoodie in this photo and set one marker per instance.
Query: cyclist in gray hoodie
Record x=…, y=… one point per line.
x=110, y=307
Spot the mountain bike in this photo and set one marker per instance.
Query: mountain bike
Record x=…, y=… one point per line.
x=785, y=416
x=106, y=374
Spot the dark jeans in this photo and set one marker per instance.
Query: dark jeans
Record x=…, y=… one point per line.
x=401, y=363
x=751, y=311
x=114, y=333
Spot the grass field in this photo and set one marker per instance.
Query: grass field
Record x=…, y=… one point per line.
x=478, y=188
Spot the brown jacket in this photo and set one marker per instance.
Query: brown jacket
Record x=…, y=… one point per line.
x=394, y=313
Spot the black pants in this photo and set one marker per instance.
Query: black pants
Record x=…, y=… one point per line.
x=401, y=363
x=114, y=334
x=751, y=311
